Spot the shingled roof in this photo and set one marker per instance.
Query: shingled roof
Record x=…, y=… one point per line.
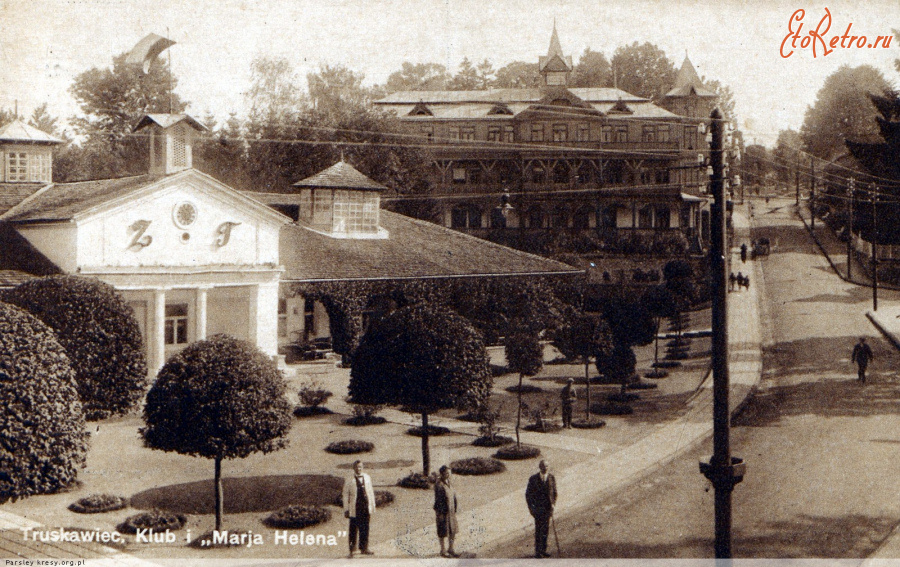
x=61, y=201
x=415, y=249
x=18, y=131
x=688, y=82
x=341, y=175
x=11, y=194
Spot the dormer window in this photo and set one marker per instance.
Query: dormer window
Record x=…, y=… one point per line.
x=26, y=154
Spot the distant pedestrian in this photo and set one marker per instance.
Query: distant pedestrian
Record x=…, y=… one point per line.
x=743, y=252
x=740, y=280
x=745, y=282
x=359, y=505
x=445, y=506
x=862, y=354
x=541, y=498
x=568, y=397
x=732, y=279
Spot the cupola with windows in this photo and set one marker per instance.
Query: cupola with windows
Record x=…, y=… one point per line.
x=26, y=154
x=341, y=202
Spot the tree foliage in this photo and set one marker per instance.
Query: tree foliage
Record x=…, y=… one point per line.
x=518, y=74
x=787, y=155
x=418, y=77
x=843, y=111
x=220, y=398
x=100, y=335
x=584, y=336
x=422, y=359
x=619, y=365
x=41, y=422
x=643, y=70
x=592, y=70
x=524, y=356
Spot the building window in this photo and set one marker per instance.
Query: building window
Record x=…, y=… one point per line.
x=663, y=133
x=538, y=175
x=608, y=216
x=282, y=317
x=355, y=212
x=663, y=216
x=508, y=134
x=559, y=218
x=304, y=210
x=454, y=133
x=459, y=175
x=428, y=133
x=690, y=137
x=662, y=175
x=606, y=134
x=537, y=132
x=584, y=132
x=17, y=166
x=621, y=133
x=560, y=132
x=561, y=173
x=494, y=134
x=323, y=206
x=582, y=218
x=465, y=216
x=309, y=318
x=176, y=324
x=535, y=217
x=648, y=134
x=467, y=134
x=645, y=217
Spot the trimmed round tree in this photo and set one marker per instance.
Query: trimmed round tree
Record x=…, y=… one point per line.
x=100, y=335
x=525, y=355
x=221, y=398
x=42, y=433
x=660, y=302
x=423, y=359
x=619, y=365
x=584, y=336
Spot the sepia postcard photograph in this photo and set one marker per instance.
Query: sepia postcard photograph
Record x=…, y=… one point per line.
x=449, y=282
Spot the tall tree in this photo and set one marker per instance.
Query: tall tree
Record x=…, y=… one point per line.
x=112, y=100
x=6, y=116
x=787, y=154
x=518, y=74
x=466, y=79
x=486, y=73
x=418, y=77
x=43, y=121
x=643, y=70
x=524, y=356
x=757, y=164
x=592, y=70
x=843, y=111
x=422, y=359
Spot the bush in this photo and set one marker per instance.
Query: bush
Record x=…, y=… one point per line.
x=593, y=424
x=312, y=394
x=416, y=480
x=489, y=418
x=544, y=427
x=365, y=414
x=666, y=364
x=97, y=503
x=42, y=431
x=517, y=453
x=525, y=389
x=311, y=411
x=477, y=466
x=297, y=517
x=495, y=441
x=349, y=447
x=156, y=520
x=642, y=386
x=382, y=498
x=611, y=408
x=100, y=335
x=619, y=397
x=433, y=431
x=656, y=373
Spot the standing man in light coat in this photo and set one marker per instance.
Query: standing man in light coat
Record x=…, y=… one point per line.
x=359, y=505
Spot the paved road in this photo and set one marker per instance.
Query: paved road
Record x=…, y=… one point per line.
x=821, y=448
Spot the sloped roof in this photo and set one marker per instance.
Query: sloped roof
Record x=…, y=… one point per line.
x=638, y=109
x=687, y=82
x=11, y=194
x=526, y=95
x=166, y=120
x=341, y=175
x=62, y=201
x=555, y=60
x=18, y=131
x=415, y=249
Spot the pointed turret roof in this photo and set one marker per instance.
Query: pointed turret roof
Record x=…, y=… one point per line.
x=555, y=60
x=688, y=82
x=19, y=132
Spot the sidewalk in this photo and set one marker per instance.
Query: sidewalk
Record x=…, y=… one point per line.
x=612, y=471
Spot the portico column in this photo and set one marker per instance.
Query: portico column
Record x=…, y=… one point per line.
x=264, y=317
x=158, y=342
x=200, y=313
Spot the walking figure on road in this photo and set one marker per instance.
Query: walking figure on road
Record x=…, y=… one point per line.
x=740, y=280
x=445, y=506
x=743, y=253
x=731, y=281
x=541, y=498
x=568, y=397
x=862, y=354
x=359, y=505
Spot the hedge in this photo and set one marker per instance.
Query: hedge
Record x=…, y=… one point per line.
x=97, y=503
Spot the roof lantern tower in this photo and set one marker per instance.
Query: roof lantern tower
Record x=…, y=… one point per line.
x=171, y=141
x=555, y=68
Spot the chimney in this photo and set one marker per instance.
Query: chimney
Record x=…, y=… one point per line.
x=171, y=141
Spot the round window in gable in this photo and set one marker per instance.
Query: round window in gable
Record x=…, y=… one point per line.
x=184, y=214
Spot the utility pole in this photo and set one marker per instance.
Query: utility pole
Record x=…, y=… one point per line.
x=797, y=179
x=850, y=225
x=723, y=471
x=874, y=248
x=812, y=192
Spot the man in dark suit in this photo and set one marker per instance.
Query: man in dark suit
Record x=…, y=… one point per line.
x=541, y=498
x=862, y=354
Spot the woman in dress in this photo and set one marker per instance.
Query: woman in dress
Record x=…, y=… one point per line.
x=445, y=506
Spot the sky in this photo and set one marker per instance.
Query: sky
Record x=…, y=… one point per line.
x=45, y=44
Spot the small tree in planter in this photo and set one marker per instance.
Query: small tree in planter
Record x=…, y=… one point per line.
x=312, y=395
x=221, y=398
x=42, y=431
x=524, y=355
x=423, y=359
x=101, y=337
x=584, y=336
x=660, y=303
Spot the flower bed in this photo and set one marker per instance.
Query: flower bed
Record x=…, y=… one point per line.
x=415, y=480
x=477, y=466
x=297, y=517
x=611, y=408
x=349, y=447
x=517, y=453
x=97, y=503
x=525, y=389
x=592, y=424
x=156, y=520
x=433, y=431
x=363, y=420
x=311, y=411
x=495, y=441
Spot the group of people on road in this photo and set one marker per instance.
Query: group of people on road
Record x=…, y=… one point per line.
x=359, y=506
x=739, y=280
